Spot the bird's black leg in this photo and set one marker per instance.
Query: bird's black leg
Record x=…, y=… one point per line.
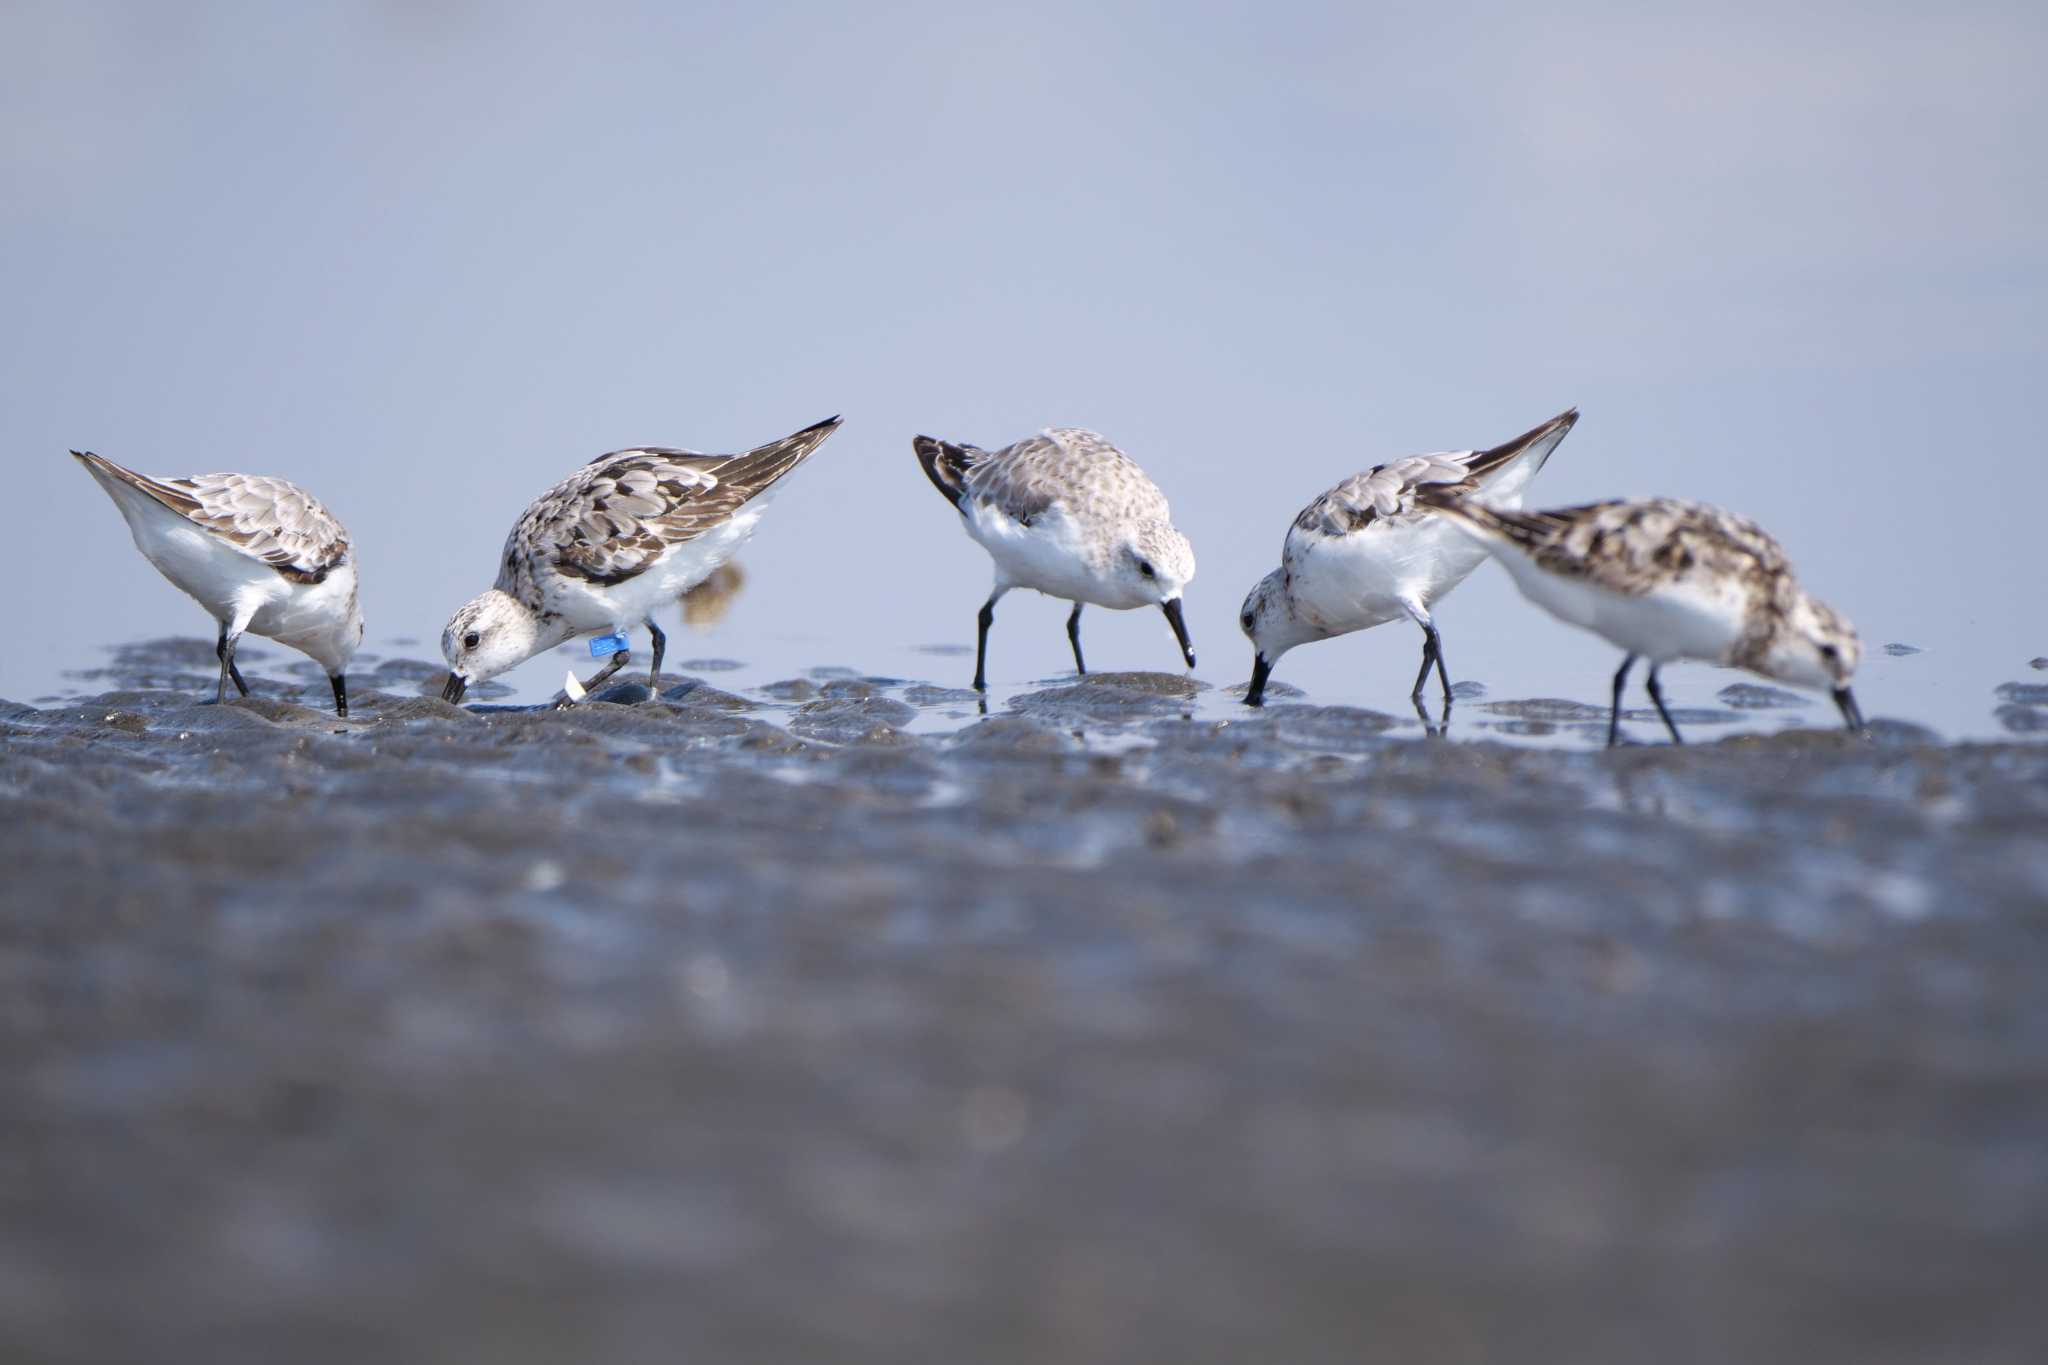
x=1657, y=696
x=1428, y=658
x=1074, y=637
x=225, y=650
x=660, y=644
x=1436, y=645
x=1614, y=715
x=984, y=621
x=1432, y=653
x=340, y=693
x=599, y=678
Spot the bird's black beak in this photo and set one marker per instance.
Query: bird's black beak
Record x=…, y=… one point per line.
x=340, y=694
x=1180, y=628
x=1852, y=714
x=1255, y=695
x=457, y=685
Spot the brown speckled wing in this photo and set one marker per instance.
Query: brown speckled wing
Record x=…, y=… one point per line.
x=607, y=522
x=273, y=520
x=614, y=518
x=277, y=521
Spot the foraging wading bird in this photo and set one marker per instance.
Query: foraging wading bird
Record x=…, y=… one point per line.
x=1367, y=552
x=1663, y=580
x=601, y=550
x=260, y=554
x=1067, y=514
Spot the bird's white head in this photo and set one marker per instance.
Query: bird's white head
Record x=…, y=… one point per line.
x=486, y=636
x=1814, y=646
x=1269, y=620
x=1152, y=568
x=1156, y=564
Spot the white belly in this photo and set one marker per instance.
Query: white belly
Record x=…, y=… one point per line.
x=1050, y=556
x=206, y=568
x=1682, y=622
x=305, y=613
x=1346, y=583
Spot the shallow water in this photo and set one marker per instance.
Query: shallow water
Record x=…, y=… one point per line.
x=1962, y=685
x=813, y=1013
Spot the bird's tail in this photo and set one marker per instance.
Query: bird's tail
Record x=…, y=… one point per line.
x=1507, y=468
x=1497, y=525
x=114, y=478
x=946, y=465
x=763, y=465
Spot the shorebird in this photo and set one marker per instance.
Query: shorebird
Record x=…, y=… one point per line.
x=1067, y=514
x=1663, y=580
x=260, y=554
x=1366, y=553
x=601, y=550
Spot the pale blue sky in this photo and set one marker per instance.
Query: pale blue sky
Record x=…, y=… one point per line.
x=426, y=259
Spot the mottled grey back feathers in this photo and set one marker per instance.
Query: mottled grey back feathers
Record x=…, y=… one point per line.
x=1070, y=465
x=1387, y=491
x=1380, y=494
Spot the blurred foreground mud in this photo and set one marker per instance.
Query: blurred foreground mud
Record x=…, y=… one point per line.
x=836, y=1020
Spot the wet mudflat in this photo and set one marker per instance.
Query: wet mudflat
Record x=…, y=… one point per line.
x=830, y=1018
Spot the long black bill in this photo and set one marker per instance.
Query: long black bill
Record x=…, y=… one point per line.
x=1852, y=714
x=340, y=694
x=1180, y=628
x=457, y=685
x=1255, y=695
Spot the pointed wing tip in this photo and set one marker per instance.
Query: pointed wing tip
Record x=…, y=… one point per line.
x=100, y=467
x=814, y=435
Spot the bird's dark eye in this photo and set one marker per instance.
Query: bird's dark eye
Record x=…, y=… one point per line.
x=472, y=640
x=1245, y=620
x=1145, y=568
x=1828, y=652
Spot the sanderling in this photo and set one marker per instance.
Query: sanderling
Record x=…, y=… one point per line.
x=1664, y=580
x=1364, y=553
x=1067, y=514
x=260, y=554
x=601, y=550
